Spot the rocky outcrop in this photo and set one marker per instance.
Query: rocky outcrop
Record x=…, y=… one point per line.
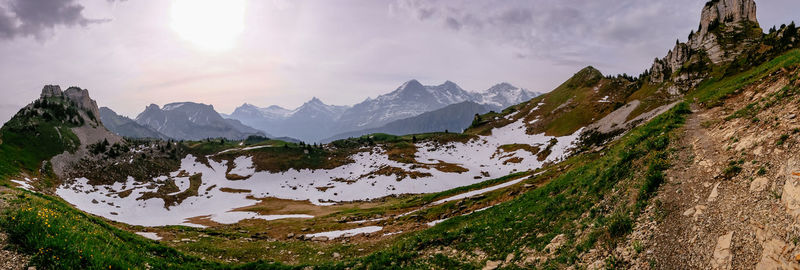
x=75, y=94
x=727, y=12
x=719, y=17
x=82, y=99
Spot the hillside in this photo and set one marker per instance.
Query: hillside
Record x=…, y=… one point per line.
x=688, y=165
x=126, y=127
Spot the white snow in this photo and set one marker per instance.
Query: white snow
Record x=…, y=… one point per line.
x=26, y=185
x=243, y=166
x=392, y=233
x=477, y=192
x=234, y=217
x=173, y=106
x=244, y=149
x=149, y=235
x=604, y=100
x=480, y=156
x=433, y=223
x=346, y=233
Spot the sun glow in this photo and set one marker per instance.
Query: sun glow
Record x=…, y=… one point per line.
x=212, y=25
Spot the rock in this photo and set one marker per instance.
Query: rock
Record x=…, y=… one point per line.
x=773, y=256
x=337, y=255
x=319, y=238
x=596, y=265
x=722, y=252
x=509, y=258
x=304, y=229
x=698, y=211
x=290, y=235
x=32, y=268
x=791, y=190
x=714, y=193
x=791, y=116
x=555, y=244
x=759, y=184
x=491, y=265
x=688, y=212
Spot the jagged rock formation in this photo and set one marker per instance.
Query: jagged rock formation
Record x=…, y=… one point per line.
x=726, y=28
x=75, y=94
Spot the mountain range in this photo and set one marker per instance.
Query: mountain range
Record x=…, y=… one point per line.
x=315, y=120
x=192, y=121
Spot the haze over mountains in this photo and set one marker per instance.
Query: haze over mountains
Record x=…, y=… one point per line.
x=411, y=108
x=315, y=120
x=192, y=121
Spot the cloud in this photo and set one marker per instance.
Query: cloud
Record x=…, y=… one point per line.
x=564, y=31
x=37, y=18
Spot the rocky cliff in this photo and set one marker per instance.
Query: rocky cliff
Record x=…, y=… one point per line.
x=80, y=97
x=726, y=28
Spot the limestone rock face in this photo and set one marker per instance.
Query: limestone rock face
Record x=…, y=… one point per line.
x=727, y=11
x=51, y=91
x=82, y=99
x=731, y=15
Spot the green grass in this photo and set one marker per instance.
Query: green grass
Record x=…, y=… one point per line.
x=712, y=91
x=29, y=138
x=60, y=237
x=549, y=210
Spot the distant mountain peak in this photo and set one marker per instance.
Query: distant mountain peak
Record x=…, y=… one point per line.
x=412, y=84
x=315, y=100
x=503, y=86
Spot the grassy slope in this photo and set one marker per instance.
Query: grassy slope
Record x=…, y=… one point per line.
x=570, y=106
x=28, y=139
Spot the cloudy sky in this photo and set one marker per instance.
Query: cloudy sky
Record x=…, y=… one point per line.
x=130, y=53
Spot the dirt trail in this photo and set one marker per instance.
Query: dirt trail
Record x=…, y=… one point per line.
x=728, y=199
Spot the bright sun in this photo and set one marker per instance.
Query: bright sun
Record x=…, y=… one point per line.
x=210, y=25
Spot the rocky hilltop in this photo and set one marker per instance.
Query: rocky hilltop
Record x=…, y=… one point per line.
x=75, y=94
x=726, y=28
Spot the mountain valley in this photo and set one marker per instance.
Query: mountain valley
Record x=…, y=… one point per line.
x=688, y=165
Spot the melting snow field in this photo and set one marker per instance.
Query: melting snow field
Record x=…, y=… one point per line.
x=322, y=187
x=346, y=233
x=149, y=235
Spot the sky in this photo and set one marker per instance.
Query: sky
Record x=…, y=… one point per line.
x=131, y=53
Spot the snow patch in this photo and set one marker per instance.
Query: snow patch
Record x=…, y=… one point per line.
x=346, y=233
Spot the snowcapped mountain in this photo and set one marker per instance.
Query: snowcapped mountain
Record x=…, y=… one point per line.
x=192, y=121
x=504, y=95
x=316, y=120
x=409, y=100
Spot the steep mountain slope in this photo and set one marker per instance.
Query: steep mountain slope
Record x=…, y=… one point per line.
x=192, y=121
x=50, y=134
x=456, y=118
x=126, y=127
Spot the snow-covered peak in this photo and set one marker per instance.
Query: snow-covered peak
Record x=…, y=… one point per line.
x=505, y=94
